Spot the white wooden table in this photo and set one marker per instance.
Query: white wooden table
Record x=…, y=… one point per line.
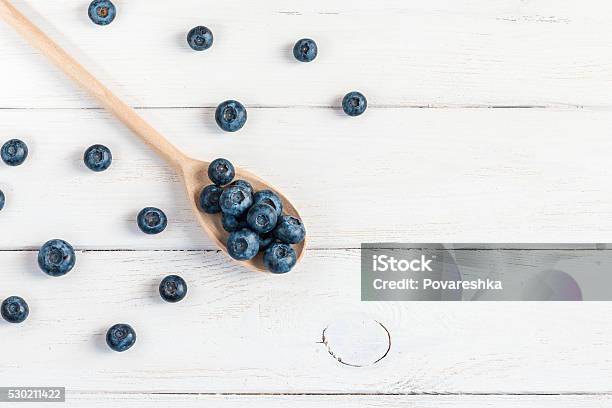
x=488, y=121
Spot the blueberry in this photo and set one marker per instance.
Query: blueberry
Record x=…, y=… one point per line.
x=102, y=12
x=305, y=50
x=152, y=220
x=14, y=152
x=279, y=258
x=231, y=116
x=56, y=257
x=14, y=309
x=243, y=244
x=243, y=183
x=231, y=223
x=261, y=218
x=98, y=157
x=270, y=198
x=235, y=200
x=354, y=103
x=265, y=240
x=173, y=288
x=290, y=230
x=200, y=38
x=221, y=171
x=209, y=199
x=1, y=200
x=120, y=337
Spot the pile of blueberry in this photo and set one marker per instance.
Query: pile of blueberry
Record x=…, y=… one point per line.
x=255, y=220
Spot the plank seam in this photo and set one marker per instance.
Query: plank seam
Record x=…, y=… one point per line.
x=335, y=107
x=83, y=250
x=348, y=394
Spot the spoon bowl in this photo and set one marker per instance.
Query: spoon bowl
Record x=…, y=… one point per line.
x=195, y=177
x=194, y=172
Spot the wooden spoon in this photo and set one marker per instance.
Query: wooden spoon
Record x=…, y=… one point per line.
x=194, y=172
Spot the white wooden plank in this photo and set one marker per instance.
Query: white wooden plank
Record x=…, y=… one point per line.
x=340, y=401
x=392, y=175
x=400, y=53
x=244, y=332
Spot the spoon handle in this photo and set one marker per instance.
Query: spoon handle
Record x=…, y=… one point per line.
x=80, y=75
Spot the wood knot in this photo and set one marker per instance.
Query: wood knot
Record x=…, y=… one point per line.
x=357, y=342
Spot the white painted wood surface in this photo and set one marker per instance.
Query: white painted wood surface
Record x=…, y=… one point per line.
x=244, y=332
x=461, y=173
x=340, y=401
x=526, y=173
x=409, y=53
